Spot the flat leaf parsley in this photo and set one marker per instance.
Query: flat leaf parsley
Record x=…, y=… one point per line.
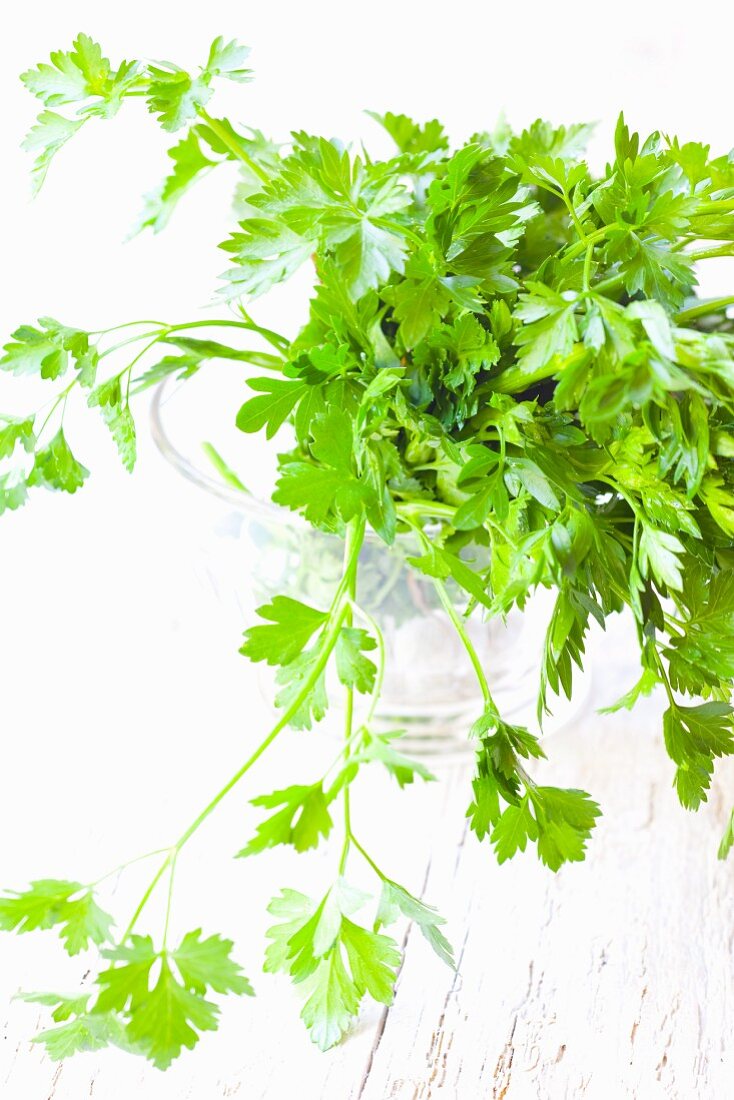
x=505, y=360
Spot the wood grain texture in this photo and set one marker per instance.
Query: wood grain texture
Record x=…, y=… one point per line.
x=610, y=979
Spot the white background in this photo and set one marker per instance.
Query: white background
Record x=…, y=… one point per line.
x=123, y=699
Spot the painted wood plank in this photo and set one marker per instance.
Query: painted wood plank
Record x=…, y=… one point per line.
x=611, y=978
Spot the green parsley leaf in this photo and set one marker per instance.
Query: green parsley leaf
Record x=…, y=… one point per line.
x=189, y=163
x=303, y=820
x=50, y=903
x=694, y=736
x=354, y=669
x=380, y=748
x=395, y=899
x=293, y=625
x=44, y=139
x=56, y=468
x=207, y=964
x=14, y=430
x=337, y=960
x=272, y=407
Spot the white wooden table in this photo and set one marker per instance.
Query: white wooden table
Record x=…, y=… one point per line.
x=611, y=979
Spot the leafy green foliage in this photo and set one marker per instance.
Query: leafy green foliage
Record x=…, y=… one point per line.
x=164, y=1015
x=380, y=748
x=557, y=820
x=292, y=626
x=504, y=367
x=694, y=736
x=396, y=900
x=354, y=669
x=301, y=819
x=56, y=468
x=14, y=431
x=55, y=903
x=189, y=163
x=337, y=960
x=48, y=351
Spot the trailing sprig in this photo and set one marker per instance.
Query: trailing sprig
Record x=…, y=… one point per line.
x=506, y=366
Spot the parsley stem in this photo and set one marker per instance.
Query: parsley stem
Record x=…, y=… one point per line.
x=712, y=305
x=587, y=266
x=711, y=253
x=57, y=401
x=129, y=368
x=133, y=340
x=330, y=639
x=620, y=492
x=598, y=235
x=425, y=508
x=146, y=896
x=338, y=611
x=223, y=469
x=355, y=536
x=127, y=324
x=129, y=863
x=664, y=677
x=574, y=216
x=233, y=145
x=337, y=614
x=368, y=858
x=273, y=338
x=169, y=899
x=460, y=628
x=610, y=283
x=348, y=719
x=381, y=660
x=466, y=641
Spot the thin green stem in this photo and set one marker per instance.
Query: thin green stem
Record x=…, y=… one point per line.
x=711, y=253
x=169, y=899
x=278, y=341
x=713, y=305
x=598, y=235
x=348, y=719
x=408, y=512
x=381, y=660
x=127, y=324
x=609, y=284
x=233, y=145
x=350, y=572
x=587, y=266
x=460, y=628
x=403, y=229
x=57, y=401
x=664, y=677
x=338, y=611
x=158, y=334
x=275, y=339
x=369, y=859
x=129, y=863
x=146, y=896
x=618, y=489
x=129, y=368
x=574, y=216
x=226, y=473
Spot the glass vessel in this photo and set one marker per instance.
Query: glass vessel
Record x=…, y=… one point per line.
x=253, y=550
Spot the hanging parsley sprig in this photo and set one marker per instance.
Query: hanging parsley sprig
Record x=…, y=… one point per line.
x=505, y=366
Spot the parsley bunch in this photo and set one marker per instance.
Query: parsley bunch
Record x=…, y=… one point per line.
x=504, y=358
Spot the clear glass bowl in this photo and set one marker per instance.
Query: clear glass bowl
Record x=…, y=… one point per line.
x=253, y=550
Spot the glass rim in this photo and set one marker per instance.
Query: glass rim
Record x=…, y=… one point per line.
x=241, y=500
x=247, y=503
